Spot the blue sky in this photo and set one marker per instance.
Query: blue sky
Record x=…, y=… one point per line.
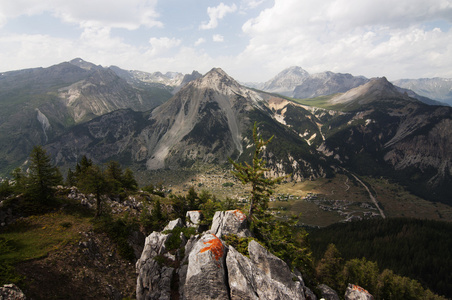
x=252, y=40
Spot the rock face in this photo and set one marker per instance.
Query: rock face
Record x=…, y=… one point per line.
x=327, y=292
x=193, y=218
x=154, y=280
x=262, y=276
x=206, y=274
x=355, y=292
x=11, y=292
x=212, y=270
x=231, y=221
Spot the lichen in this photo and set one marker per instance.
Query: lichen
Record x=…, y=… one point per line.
x=216, y=247
x=239, y=214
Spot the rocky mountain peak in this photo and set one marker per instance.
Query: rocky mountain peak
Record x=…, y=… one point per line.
x=217, y=79
x=286, y=81
x=83, y=64
x=375, y=89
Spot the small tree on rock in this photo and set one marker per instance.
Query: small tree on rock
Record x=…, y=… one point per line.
x=255, y=174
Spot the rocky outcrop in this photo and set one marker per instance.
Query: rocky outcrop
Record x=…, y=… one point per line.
x=210, y=269
x=262, y=276
x=355, y=292
x=154, y=278
x=193, y=218
x=11, y=292
x=327, y=292
x=206, y=275
x=231, y=221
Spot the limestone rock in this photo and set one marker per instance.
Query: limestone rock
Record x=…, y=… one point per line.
x=230, y=222
x=247, y=280
x=11, y=292
x=355, y=292
x=327, y=292
x=193, y=218
x=241, y=276
x=173, y=224
x=309, y=294
x=206, y=273
x=282, y=283
x=154, y=280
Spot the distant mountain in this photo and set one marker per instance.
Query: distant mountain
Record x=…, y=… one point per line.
x=172, y=81
x=286, y=81
x=77, y=108
x=296, y=83
x=385, y=132
x=439, y=89
x=377, y=89
x=38, y=104
x=327, y=83
x=207, y=121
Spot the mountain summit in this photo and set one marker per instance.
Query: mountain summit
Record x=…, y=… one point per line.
x=202, y=121
x=376, y=89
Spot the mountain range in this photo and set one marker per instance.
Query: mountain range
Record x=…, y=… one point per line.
x=167, y=121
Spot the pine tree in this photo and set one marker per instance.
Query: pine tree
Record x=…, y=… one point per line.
x=42, y=177
x=255, y=174
x=128, y=180
x=94, y=182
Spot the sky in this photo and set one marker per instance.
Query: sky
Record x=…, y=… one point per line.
x=251, y=40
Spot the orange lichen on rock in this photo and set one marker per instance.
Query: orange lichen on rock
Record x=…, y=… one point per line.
x=239, y=214
x=358, y=288
x=216, y=247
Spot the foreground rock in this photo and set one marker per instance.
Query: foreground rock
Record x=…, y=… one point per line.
x=355, y=292
x=327, y=292
x=262, y=276
x=230, y=222
x=11, y=292
x=210, y=269
x=206, y=274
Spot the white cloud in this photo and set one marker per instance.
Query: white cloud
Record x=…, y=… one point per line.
x=162, y=45
x=363, y=37
x=200, y=41
x=251, y=4
x=218, y=38
x=217, y=13
x=129, y=14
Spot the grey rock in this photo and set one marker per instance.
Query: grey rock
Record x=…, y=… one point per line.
x=309, y=294
x=282, y=282
x=241, y=276
x=193, y=218
x=11, y=292
x=173, y=224
x=206, y=273
x=230, y=222
x=355, y=292
x=327, y=292
x=247, y=280
x=154, y=280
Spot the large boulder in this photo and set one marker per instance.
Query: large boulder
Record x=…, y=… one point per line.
x=206, y=273
x=327, y=292
x=173, y=224
x=355, y=292
x=193, y=218
x=251, y=280
x=154, y=278
x=230, y=222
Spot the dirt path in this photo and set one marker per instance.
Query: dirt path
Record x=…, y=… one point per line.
x=374, y=200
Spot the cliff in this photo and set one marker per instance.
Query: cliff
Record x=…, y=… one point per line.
x=205, y=267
